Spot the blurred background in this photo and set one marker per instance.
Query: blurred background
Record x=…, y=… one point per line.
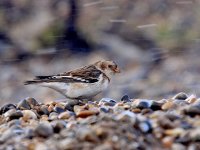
x=155, y=42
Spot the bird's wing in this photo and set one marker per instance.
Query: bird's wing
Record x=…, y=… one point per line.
x=88, y=74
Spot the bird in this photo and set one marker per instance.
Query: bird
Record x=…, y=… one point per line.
x=82, y=83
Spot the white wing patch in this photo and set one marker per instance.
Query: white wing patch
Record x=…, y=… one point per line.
x=70, y=77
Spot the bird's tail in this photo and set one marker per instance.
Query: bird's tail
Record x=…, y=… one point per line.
x=31, y=82
x=38, y=79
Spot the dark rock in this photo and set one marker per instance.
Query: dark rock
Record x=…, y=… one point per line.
x=58, y=109
x=143, y=105
x=43, y=110
x=16, y=115
x=180, y=96
x=193, y=110
x=125, y=98
x=70, y=105
x=32, y=102
x=6, y=107
x=23, y=105
x=107, y=102
x=156, y=106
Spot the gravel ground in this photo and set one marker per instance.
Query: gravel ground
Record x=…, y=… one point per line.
x=104, y=125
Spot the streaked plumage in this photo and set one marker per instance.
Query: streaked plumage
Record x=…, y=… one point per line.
x=85, y=82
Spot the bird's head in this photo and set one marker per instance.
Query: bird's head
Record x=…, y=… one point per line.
x=108, y=67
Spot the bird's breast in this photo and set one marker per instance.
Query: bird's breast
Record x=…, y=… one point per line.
x=86, y=90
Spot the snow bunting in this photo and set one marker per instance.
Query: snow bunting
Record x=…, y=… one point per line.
x=81, y=83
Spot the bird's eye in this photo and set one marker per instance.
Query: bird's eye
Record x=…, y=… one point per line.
x=109, y=66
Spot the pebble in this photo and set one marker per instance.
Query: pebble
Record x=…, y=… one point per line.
x=58, y=109
x=105, y=109
x=44, y=130
x=86, y=113
x=125, y=99
x=180, y=96
x=168, y=141
x=156, y=105
x=43, y=110
x=65, y=115
x=29, y=114
x=6, y=107
x=168, y=105
x=143, y=105
x=107, y=102
x=23, y=105
x=58, y=125
x=177, y=146
x=193, y=110
x=32, y=102
x=145, y=126
x=105, y=124
x=53, y=116
x=16, y=115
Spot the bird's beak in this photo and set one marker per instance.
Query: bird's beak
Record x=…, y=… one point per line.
x=117, y=70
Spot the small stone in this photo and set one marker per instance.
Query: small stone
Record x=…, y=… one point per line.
x=16, y=115
x=58, y=125
x=195, y=135
x=58, y=109
x=107, y=102
x=168, y=105
x=70, y=105
x=177, y=146
x=17, y=129
x=53, y=116
x=143, y=105
x=145, y=126
x=180, y=96
x=9, y=112
x=156, y=105
x=127, y=116
x=50, y=108
x=192, y=99
x=7, y=107
x=32, y=102
x=43, y=110
x=86, y=134
x=14, y=122
x=29, y=114
x=8, y=134
x=146, y=110
x=136, y=110
x=125, y=99
x=44, y=130
x=105, y=109
x=64, y=115
x=44, y=118
x=174, y=132
x=86, y=113
x=168, y=141
x=68, y=143
x=193, y=110
x=23, y=105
